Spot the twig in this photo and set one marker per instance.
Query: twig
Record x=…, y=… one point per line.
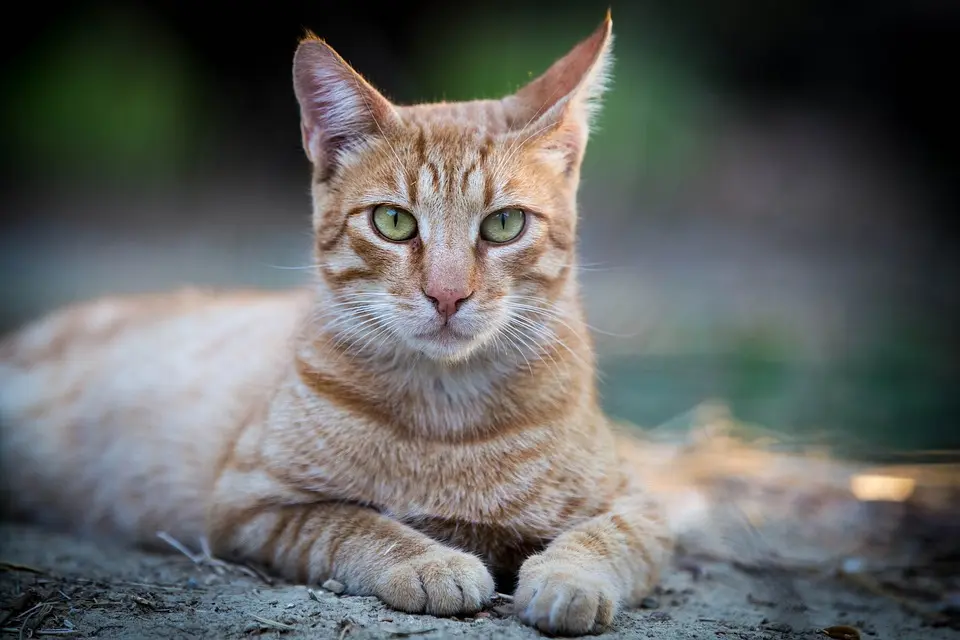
x=13, y=566
x=18, y=605
x=147, y=585
x=406, y=633
x=253, y=571
x=179, y=546
x=143, y=602
x=39, y=612
x=273, y=623
x=206, y=557
x=30, y=610
x=126, y=583
x=248, y=569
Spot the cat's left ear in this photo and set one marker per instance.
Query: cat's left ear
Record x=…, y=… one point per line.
x=557, y=109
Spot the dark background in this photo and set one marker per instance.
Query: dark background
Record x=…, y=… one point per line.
x=768, y=205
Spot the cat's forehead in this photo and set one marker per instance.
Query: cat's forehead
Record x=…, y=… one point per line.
x=449, y=160
x=450, y=168
x=450, y=163
x=490, y=117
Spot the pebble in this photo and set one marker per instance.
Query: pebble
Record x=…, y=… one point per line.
x=841, y=632
x=334, y=585
x=649, y=603
x=852, y=565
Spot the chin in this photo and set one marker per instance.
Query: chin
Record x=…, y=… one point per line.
x=447, y=349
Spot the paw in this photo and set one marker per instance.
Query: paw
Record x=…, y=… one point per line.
x=442, y=582
x=563, y=598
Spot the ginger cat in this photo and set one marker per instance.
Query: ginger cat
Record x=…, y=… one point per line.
x=420, y=420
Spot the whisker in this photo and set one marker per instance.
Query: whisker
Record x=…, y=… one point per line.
x=544, y=349
x=556, y=312
x=511, y=333
x=297, y=268
x=551, y=337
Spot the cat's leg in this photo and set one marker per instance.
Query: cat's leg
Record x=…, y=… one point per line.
x=578, y=583
x=368, y=552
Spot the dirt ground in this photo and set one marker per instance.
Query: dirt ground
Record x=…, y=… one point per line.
x=56, y=585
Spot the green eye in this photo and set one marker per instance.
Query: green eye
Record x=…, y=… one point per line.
x=394, y=223
x=502, y=226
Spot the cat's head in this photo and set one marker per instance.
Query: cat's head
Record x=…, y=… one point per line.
x=447, y=228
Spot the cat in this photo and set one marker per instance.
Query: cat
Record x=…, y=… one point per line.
x=420, y=424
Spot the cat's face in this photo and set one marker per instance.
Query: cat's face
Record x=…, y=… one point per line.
x=447, y=240
x=449, y=228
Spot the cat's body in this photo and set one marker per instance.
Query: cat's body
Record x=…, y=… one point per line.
x=425, y=415
x=89, y=386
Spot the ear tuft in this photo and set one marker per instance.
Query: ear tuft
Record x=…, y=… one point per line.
x=338, y=108
x=310, y=36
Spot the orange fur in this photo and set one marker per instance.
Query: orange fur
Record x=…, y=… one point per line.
x=350, y=431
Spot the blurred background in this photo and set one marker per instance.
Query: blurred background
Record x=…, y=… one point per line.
x=767, y=206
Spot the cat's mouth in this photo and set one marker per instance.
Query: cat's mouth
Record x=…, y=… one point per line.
x=445, y=343
x=444, y=335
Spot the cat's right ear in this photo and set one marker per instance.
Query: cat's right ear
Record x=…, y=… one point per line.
x=338, y=108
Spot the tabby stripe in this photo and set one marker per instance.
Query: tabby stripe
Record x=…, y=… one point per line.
x=465, y=179
x=337, y=279
x=342, y=395
x=434, y=175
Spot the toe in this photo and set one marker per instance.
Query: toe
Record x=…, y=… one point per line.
x=403, y=590
x=444, y=595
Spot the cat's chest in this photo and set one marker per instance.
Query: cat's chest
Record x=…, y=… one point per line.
x=476, y=484
x=523, y=484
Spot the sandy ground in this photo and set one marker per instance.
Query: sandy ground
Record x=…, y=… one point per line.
x=56, y=585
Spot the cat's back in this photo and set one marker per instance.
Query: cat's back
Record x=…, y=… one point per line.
x=126, y=402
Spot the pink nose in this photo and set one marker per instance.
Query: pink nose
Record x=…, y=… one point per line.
x=445, y=299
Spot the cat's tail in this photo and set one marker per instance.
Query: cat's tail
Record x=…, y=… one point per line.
x=729, y=497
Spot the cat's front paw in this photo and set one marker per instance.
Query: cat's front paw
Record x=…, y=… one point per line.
x=562, y=598
x=441, y=582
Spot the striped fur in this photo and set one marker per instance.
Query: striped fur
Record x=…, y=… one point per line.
x=344, y=431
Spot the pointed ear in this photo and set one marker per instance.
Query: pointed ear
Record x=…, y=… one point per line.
x=338, y=108
x=559, y=107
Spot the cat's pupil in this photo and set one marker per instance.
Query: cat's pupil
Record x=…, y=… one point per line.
x=503, y=220
x=396, y=217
